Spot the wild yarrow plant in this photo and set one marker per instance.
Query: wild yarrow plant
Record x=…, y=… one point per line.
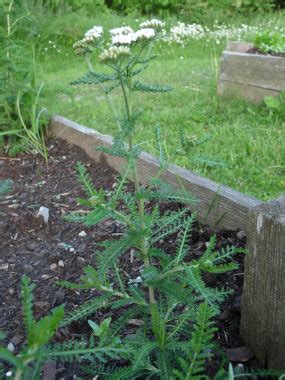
x=169, y=301
x=37, y=349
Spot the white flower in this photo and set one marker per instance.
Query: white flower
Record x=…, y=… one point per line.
x=122, y=30
x=93, y=34
x=127, y=39
x=123, y=39
x=154, y=23
x=145, y=33
x=114, y=53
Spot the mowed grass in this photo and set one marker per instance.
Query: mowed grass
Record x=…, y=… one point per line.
x=247, y=148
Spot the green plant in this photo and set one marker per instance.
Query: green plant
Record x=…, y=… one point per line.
x=27, y=364
x=62, y=6
x=20, y=118
x=194, y=10
x=169, y=292
x=270, y=42
x=5, y=186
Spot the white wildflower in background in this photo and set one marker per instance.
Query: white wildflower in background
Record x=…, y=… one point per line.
x=154, y=23
x=123, y=30
x=93, y=34
x=181, y=32
x=114, y=53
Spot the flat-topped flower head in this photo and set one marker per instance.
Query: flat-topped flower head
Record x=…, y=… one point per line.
x=145, y=34
x=123, y=30
x=123, y=39
x=94, y=34
x=153, y=23
x=114, y=54
x=82, y=48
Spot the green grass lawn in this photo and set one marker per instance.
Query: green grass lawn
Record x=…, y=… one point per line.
x=247, y=142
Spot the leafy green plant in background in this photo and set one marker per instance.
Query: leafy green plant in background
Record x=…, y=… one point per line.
x=20, y=119
x=28, y=363
x=194, y=10
x=57, y=6
x=169, y=292
x=270, y=42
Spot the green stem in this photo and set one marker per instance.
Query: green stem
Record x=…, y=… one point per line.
x=18, y=374
x=142, y=244
x=119, y=279
x=109, y=101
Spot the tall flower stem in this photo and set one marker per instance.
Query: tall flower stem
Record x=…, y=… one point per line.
x=109, y=101
x=142, y=243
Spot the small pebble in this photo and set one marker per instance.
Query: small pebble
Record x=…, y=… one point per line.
x=44, y=213
x=71, y=249
x=31, y=246
x=82, y=234
x=61, y=263
x=11, y=347
x=241, y=235
x=53, y=267
x=9, y=374
x=28, y=268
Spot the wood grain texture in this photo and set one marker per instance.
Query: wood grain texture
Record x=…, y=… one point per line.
x=217, y=205
x=250, y=76
x=263, y=300
x=244, y=91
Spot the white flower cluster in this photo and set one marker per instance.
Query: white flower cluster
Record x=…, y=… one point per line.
x=93, y=34
x=129, y=38
x=122, y=30
x=154, y=23
x=114, y=53
x=181, y=32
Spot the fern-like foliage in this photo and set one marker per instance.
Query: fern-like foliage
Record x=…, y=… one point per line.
x=193, y=366
x=93, y=78
x=86, y=309
x=28, y=362
x=139, y=86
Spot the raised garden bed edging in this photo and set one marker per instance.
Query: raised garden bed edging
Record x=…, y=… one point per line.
x=217, y=205
x=250, y=76
x=263, y=299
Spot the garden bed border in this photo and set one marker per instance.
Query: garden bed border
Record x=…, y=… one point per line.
x=263, y=298
x=250, y=76
x=217, y=205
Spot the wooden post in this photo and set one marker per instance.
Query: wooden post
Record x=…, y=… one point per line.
x=263, y=301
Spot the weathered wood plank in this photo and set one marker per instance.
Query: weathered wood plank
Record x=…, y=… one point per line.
x=263, y=300
x=255, y=70
x=242, y=90
x=250, y=76
x=217, y=205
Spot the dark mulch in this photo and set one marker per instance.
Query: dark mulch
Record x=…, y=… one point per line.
x=271, y=53
x=57, y=252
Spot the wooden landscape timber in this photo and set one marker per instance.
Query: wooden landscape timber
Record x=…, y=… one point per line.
x=218, y=206
x=250, y=76
x=263, y=299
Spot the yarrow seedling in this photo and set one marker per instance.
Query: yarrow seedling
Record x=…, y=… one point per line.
x=166, y=296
